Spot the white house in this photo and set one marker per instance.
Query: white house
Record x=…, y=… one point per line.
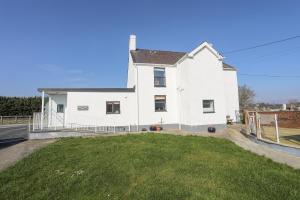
x=180, y=90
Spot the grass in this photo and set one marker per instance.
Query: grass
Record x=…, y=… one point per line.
x=287, y=136
x=148, y=166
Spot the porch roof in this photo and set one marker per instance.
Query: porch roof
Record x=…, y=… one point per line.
x=65, y=90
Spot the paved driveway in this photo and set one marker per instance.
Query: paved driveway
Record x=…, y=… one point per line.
x=8, y=132
x=12, y=154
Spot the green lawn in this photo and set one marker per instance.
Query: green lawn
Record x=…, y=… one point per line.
x=148, y=166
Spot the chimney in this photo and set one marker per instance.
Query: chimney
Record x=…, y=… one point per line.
x=132, y=42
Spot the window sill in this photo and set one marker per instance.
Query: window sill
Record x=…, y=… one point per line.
x=113, y=113
x=209, y=112
x=161, y=111
x=159, y=86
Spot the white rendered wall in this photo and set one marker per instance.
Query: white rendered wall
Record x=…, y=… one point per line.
x=201, y=78
x=187, y=85
x=54, y=118
x=131, y=73
x=231, y=93
x=147, y=91
x=96, y=114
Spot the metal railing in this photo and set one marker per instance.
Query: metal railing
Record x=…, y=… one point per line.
x=73, y=127
x=59, y=125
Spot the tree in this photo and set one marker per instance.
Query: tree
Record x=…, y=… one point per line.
x=246, y=96
x=19, y=105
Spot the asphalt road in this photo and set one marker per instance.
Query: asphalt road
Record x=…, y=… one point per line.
x=8, y=132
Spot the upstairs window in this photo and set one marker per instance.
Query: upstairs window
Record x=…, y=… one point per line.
x=208, y=106
x=113, y=107
x=60, y=108
x=160, y=103
x=159, y=77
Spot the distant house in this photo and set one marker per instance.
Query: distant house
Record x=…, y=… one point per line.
x=179, y=90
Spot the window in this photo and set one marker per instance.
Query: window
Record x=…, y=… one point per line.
x=208, y=106
x=159, y=77
x=160, y=103
x=60, y=108
x=113, y=107
x=82, y=108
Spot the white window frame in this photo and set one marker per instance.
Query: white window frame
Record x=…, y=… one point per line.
x=58, y=108
x=210, y=109
x=113, y=103
x=163, y=78
x=156, y=98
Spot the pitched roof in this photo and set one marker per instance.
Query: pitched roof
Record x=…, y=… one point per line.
x=228, y=67
x=156, y=56
x=148, y=56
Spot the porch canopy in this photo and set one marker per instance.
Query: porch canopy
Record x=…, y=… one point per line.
x=65, y=90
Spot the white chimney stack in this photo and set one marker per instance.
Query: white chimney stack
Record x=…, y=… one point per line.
x=132, y=42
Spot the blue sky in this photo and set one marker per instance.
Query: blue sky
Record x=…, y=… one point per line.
x=84, y=43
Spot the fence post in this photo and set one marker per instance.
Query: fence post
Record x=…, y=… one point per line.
x=129, y=128
x=33, y=119
x=276, y=128
x=258, y=131
x=1, y=119
x=16, y=119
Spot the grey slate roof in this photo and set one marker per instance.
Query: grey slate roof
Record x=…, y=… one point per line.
x=156, y=56
x=147, y=56
x=228, y=67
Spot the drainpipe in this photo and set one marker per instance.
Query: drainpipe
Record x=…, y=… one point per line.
x=137, y=97
x=179, y=89
x=42, y=111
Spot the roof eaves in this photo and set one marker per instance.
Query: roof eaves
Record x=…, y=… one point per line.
x=87, y=89
x=228, y=67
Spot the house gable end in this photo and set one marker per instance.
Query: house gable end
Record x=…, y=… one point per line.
x=201, y=47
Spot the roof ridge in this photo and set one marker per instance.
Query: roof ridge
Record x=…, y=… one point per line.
x=162, y=50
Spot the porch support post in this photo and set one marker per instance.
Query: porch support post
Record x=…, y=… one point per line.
x=42, y=111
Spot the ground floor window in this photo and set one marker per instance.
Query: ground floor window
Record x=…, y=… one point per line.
x=113, y=107
x=60, y=108
x=160, y=103
x=208, y=106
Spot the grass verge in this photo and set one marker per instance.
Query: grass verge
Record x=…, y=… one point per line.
x=148, y=166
